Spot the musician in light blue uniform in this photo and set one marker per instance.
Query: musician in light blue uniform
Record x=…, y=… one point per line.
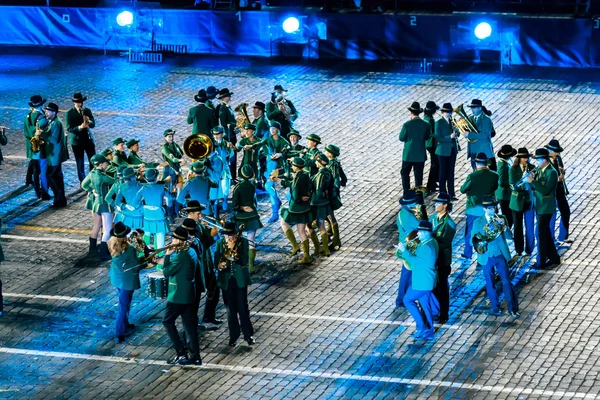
x=155, y=220
x=219, y=173
x=222, y=149
x=198, y=187
x=406, y=222
x=128, y=212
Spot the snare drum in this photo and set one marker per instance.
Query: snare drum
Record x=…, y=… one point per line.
x=158, y=287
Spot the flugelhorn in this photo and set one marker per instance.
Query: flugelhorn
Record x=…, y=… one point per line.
x=463, y=123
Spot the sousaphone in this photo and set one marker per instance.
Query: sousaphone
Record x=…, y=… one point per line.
x=197, y=146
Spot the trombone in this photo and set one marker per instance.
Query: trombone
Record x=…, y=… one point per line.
x=207, y=220
x=148, y=258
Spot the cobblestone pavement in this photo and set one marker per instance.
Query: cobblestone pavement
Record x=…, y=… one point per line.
x=328, y=330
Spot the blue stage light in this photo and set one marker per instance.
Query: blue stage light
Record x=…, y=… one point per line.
x=125, y=18
x=291, y=25
x=483, y=30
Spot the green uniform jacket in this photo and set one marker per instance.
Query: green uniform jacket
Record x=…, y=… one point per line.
x=339, y=179
x=73, y=119
x=275, y=114
x=99, y=184
x=495, y=248
x=272, y=146
x=250, y=156
x=479, y=183
x=262, y=127
x=294, y=151
x=121, y=279
x=483, y=139
x=119, y=159
x=55, y=143
x=179, y=269
x=244, y=194
x=300, y=186
x=519, y=195
x=172, y=154
x=29, y=130
x=134, y=159
x=444, y=229
x=228, y=122
x=430, y=144
x=309, y=159
x=544, y=190
x=204, y=119
x=504, y=191
x=321, y=182
x=238, y=269
x=444, y=143
x=415, y=134
x=206, y=261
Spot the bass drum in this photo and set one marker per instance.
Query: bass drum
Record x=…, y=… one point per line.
x=158, y=287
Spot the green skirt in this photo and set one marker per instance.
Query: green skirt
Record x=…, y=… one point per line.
x=295, y=218
x=250, y=224
x=320, y=212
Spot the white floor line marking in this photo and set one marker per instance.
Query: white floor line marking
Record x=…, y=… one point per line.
x=343, y=319
x=44, y=239
x=48, y=297
x=304, y=373
x=25, y=158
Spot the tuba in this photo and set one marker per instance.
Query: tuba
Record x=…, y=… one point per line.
x=463, y=123
x=197, y=146
x=491, y=231
x=241, y=117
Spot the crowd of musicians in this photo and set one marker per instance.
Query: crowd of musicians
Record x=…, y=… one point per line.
x=504, y=197
x=135, y=203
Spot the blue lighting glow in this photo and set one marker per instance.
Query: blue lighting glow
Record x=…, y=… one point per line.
x=125, y=18
x=483, y=30
x=291, y=25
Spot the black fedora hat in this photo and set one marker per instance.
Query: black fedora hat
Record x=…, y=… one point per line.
x=193, y=206
x=447, y=107
x=36, y=101
x=212, y=92
x=481, y=158
x=523, y=153
x=260, y=105
x=489, y=201
x=507, y=151
x=476, y=103
x=229, y=228
x=279, y=88
x=541, y=153
x=410, y=197
x=431, y=106
x=190, y=225
x=201, y=97
x=425, y=226
x=180, y=233
x=415, y=108
x=79, y=98
x=120, y=230
x=51, y=107
x=224, y=93
x=554, y=145
x=443, y=198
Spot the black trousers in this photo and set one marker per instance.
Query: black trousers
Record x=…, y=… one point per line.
x=565, y=210
x=507, y=212
x=80, y=151
x=190, y=325
x=434, y=171
x=233, y=167
x=546, y=247
x=238, y=314
x=407, y=166
x=447, y=166
x=442, y=290
x=56, y=182
x=34, y=170
x=212, y=299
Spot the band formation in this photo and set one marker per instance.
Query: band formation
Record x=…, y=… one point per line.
x=211, y=211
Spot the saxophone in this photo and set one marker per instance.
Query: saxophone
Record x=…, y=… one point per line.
x=491, y=231
x=231, y=254
x=36, y=140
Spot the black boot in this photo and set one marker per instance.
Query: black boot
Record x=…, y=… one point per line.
x=104, y=254
x=93, y=251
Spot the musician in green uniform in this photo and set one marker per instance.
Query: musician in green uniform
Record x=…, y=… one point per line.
x=111, y=170
x=299, y=212
x=56, y=151
x=261, y=120
x=446, y=149
x=414, y=134
x=251, y=146
x=231, y=260
x=561, y=193
x=521, y=202
x=134, y=148
x=98, y=183
x=430, y=145
x=335, y=201
x=479, y=183
x=79, y=123
x=282, y=110
x=322, y=183
x=227, y=121
x=202, y=116
x=173, y=155
x=444, y=229
x=243, y=201
x=544, y=182
x=35, y=121
x=119, y=155
x=312, y=142
x=504, y=192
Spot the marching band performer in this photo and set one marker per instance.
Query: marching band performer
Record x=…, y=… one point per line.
x=481, y=141
x=56, y=151
x=203, y=115
x=199, y=271
x=35, y=121
x=79, y=123
x=3, y=141
x=251, y=146
x=218, y=172
x=128, y=212
x=155, y=221
x=299, y=212
x=274, y=147
x=98, y=183
x=434, y=170
x=111, y=170
x=422, y=262
x=521, y=203
x=335, y=201
x=322, y=183
x=1, y=261
x=481, y=182
x=222, y=148
x=492, y=231
x=198, y=187
x=173, y=155
x=414, y=134
x=119, y=156
x=124, y=275
x=134, y=148
x=227, y=121
x=179, y=265
x=446, y=150
x=206, y=236
x=243, y=200
x=261, y=120
x=561, y=193
x=282, y=110
x=231, y=259
x=544, y=191
x=312, y=141
x=407, y=222
x=444, y=229
x=504, y=192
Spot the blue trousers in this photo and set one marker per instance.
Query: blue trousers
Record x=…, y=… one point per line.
x=510, y=295
x=468, y=228
x=125, y=297
x=527, y=215
x=424, y=316
x=403, y=285
x=273, y=196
